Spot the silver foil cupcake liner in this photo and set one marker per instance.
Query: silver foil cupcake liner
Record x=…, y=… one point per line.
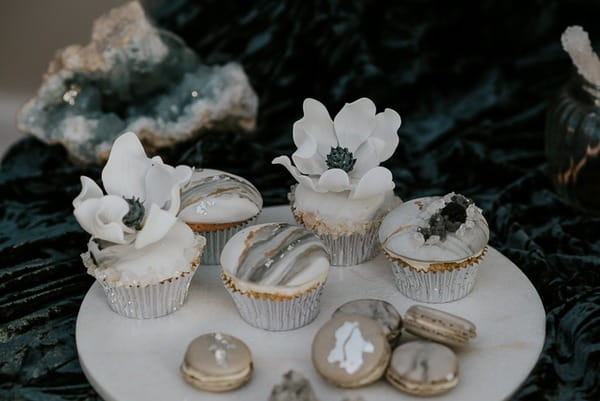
x=278, y=315
x=150, y=301
x=435, y=287
x=216, y=240
x=352, y=249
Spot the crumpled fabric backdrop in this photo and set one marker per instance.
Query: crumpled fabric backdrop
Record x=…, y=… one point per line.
x=470, y=81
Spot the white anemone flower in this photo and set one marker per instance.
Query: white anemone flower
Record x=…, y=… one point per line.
x=142, y=196
x=344, y=154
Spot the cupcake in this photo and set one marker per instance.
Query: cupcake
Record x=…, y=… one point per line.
x=342, y=193
x=275, y=274
x=141, y=254
x=217, y=205
x=435, y=245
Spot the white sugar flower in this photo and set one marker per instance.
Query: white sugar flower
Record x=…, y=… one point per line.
x=344, y=154
x=142, y=196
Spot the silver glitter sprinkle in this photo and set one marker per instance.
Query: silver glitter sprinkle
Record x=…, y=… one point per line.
x=219, y=348
x=203, y=206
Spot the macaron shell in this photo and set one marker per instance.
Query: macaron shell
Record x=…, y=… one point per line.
x=381, y=311
x=350, y=351
x=217, y=362
x=439, y=326
x=423, y=368
x=217, y=384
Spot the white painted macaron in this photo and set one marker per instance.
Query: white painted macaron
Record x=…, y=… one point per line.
x=217, y=362
x=438, y=326
x=423, y=368
x=350, y=351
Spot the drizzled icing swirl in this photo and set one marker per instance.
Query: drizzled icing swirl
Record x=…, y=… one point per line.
x=214, y=197
x=275, y=255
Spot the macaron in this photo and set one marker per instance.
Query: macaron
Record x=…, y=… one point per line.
x=381, y=311
x=217, y=362
x=350, y=351
x=423, y=368
x=438, y=326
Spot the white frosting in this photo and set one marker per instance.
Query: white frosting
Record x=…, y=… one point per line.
x=216, y=197
x=349, y=347
x=340, y=213
x=400, y=237
x=314, y=271
x=124, y=265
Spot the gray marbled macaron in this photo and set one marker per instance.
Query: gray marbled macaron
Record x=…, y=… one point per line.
x=381, y=311
x=439, y=326
x=423, y=368
x=350, y=351
x=217, y=362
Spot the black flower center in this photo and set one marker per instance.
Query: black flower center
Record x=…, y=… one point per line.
x=340, y=158
x=448, y=219
x=135, y=215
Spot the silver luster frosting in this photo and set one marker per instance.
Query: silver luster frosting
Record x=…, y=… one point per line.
x=277, y=254
x=214, y=196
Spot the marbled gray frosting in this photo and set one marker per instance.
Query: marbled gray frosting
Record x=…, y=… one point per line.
x=381, y=311
x=277, y=254
x=207, y=190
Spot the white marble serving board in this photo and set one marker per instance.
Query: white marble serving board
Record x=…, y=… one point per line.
x=131, y=360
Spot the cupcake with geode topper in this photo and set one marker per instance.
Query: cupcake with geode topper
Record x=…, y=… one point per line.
x=275, y=274
x=342, y=193
x=217, y=204
x=435, y=245
x=140, y=253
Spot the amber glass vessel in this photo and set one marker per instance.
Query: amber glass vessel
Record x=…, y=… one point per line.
x=573, y=143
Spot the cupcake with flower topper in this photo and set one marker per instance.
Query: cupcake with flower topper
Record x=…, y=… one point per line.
x=139, y=251
x=343, y=193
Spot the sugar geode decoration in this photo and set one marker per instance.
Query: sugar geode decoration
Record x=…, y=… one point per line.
x=294, y=387
x=576, y=42
x=344, y=154
x=448, y=217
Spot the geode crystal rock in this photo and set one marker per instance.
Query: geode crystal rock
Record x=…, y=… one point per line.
x=133, y=76
x=294, y=387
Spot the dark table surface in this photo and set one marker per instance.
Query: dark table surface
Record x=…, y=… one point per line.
x=471, y=82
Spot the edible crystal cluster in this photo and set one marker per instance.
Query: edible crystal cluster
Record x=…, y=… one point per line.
x=448, y=219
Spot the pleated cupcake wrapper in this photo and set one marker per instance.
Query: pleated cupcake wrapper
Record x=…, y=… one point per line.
x=216, y=240
x=150, y=301
x=277, y=315
x=436, y=287
x=346, y=249
x=353, y=249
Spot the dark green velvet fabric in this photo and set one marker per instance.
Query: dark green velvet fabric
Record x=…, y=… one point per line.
x=471, y=82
